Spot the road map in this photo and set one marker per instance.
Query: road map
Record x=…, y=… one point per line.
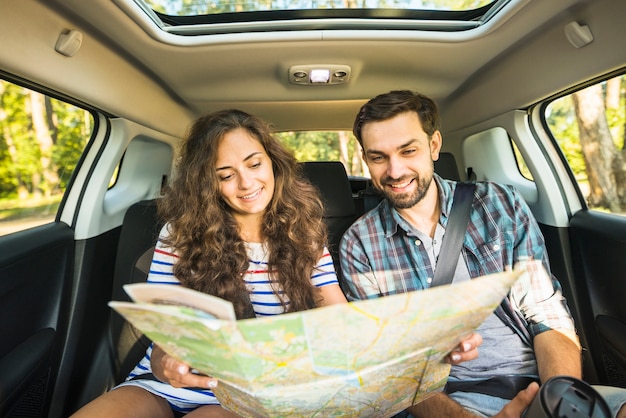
x=370, y=358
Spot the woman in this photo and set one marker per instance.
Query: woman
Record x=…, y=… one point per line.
x=241, y=224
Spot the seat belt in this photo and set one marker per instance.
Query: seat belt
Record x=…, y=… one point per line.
x=451, y=248
x=455, y=232
x=501, y=386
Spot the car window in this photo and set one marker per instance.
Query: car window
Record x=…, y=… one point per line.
x=41, y=141
x=588, y=126
x=327, y=146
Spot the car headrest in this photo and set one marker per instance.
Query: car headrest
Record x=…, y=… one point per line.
x=332, y=181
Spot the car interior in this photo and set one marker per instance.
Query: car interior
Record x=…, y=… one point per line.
x=143, y=74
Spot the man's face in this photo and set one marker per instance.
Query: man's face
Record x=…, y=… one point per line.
x=400, y=158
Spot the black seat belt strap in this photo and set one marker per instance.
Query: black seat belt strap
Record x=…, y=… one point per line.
x=455, y=233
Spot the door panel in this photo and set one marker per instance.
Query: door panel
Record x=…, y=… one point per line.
x=35, y=278
x=599, y=259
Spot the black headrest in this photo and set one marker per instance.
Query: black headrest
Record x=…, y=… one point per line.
x=446, y=167
x=332, y=181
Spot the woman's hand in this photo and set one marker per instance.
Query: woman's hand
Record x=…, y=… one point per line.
x=178, y=374
x=466, y=350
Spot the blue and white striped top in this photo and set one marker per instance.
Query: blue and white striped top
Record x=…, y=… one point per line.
x=264, y=301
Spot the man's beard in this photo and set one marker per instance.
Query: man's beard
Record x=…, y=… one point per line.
x=409, y=199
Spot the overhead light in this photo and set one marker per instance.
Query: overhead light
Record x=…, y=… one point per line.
x=319, y=74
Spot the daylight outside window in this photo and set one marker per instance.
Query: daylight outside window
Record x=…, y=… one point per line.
x=588, y=126
x=41, y=141
x=327, y=146
x=201, y=7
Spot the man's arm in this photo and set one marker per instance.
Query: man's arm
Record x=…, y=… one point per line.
x=557, y=353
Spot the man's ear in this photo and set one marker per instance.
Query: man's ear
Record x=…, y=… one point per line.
x=435, y=145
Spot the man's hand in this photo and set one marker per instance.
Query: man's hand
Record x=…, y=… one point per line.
x=519, y=403
x=441, y=406
x=467, y=350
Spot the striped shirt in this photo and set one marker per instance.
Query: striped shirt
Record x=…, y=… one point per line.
x=264, y=301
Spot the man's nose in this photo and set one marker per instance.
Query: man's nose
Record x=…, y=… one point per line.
x=395, y=168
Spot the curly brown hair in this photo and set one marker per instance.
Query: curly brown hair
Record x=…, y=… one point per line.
x=206, y=237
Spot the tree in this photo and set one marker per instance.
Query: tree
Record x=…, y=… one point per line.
x=42, y=135
x=604, y=161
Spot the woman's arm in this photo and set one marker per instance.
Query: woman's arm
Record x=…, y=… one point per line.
x=331, y=294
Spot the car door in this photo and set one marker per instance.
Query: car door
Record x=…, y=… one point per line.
x=38, y=153
x=35, y=275
x=587, y=129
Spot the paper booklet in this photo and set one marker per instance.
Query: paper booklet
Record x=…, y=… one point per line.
x=370, y=358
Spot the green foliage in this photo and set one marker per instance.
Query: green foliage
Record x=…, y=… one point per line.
x=563, y=122
x=21, y=156
x=23, y=179
x=74, y=128
x=561, y=118
x=312, y=146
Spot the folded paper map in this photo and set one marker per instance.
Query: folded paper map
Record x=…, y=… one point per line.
x=371, y=358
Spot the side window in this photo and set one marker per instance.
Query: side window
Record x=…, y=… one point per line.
x=588, y=126
x=41, y=140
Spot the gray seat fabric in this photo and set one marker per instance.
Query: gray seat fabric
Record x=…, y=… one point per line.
x=138, y=237
x=331, y=179
x=446, y=167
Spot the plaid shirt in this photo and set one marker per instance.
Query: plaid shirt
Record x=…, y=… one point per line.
x=380, y=255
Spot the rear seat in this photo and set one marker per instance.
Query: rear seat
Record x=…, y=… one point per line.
x=138, y=237
x=339, y=209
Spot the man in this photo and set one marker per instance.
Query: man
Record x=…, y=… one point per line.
x=394, y=248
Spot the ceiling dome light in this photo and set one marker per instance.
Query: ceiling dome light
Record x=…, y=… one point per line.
x=319, y=74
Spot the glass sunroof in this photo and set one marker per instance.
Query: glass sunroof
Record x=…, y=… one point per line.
x=204, y=17
x=208, y=7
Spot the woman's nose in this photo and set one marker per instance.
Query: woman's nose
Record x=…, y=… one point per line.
x=245, y=180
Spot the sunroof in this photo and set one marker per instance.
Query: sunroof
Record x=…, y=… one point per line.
x=202, y=17
x=209, y=7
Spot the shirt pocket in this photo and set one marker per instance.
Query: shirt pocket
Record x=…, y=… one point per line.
x=488, y=256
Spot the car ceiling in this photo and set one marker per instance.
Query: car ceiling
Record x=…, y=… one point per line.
x=164, y=81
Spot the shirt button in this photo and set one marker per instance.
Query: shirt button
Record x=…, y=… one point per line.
x=496, y=247
x=418, y=242
x=429, y=280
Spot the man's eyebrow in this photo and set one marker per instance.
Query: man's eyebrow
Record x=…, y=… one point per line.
x=399, y=147
x=245, y=159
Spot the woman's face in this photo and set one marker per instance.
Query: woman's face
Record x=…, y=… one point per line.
x=245, y=173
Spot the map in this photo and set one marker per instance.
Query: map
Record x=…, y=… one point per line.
x=371, y=358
